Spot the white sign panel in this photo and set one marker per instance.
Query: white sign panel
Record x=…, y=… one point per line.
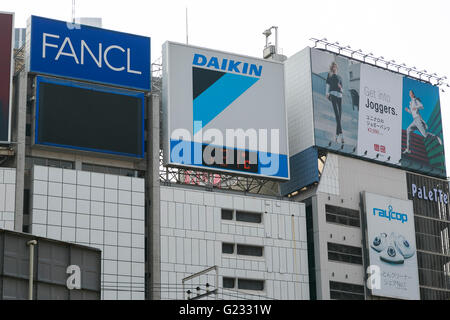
x=392, y=246
x=224, y=112
x=380, y=115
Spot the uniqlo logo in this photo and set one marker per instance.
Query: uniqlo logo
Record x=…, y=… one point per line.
x=379, y=148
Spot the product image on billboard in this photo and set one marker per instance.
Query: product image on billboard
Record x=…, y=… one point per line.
x=6, y=73
x=224, y=112
x=88, y=53
x=89, y=118
x=391, y=247
x=377, y=114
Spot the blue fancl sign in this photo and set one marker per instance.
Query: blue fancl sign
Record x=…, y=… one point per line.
x=89, y=53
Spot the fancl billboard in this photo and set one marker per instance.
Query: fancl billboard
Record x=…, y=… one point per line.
x=377, y=114
x=88, y=53
x=391, y=247
x=224, y=112
x=6, y=73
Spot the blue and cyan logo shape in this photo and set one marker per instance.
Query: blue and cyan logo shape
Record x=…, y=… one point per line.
x=390, y=214
x=217, y=83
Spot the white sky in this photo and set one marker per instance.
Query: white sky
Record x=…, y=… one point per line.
x=413, y=32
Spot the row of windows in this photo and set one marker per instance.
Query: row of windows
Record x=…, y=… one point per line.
x=38, y=161
x=243, y=216
x=112, y=170
x=243, y=284
x=342, y=216
x=30, y=161
x=242, y=249
x=344, y=253
x=432, y=235
x=346, y=291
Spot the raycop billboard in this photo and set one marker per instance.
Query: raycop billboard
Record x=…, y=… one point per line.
x=377, y=114
x=89, y=117
x=6, y=73
x=88, y=53
x=224, y=112
x=391, y=247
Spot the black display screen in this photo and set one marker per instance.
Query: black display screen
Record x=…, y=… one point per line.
x=89, y=119
x=239, y=160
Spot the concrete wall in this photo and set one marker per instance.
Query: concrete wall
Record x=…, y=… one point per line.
x=342, y=180
x=192, y=233
x=299, y=103
x=7, y=197
x=100, y=210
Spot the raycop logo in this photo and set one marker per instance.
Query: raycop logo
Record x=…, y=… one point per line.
x=391, y=214
x=436, y=195
x=227, y=65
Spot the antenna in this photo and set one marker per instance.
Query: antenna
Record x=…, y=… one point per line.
x=187, y=30
x=73, y=11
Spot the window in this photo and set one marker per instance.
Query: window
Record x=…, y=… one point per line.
x=246, y=250
x=228, y=282
x=26, y=201
x=346, y=291
x=246, y=284
x=242, y=216
x=227, y=214
x=248, y=217
x=111, y=170
x=28, y=130
x=30, y=161
x=228, y=248
x=343, y=216
x=344, y=253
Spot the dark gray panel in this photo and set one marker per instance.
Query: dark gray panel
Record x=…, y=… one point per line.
x=15, y=289
x=90, y=265
x=16, y=256
x=84, y=295
x=53, y=260
x=46, y=291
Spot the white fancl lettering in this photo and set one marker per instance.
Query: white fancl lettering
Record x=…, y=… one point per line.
x=98, y=61
x=45, y=44
x=62, y=53
x=105, y=57
x=129, y=63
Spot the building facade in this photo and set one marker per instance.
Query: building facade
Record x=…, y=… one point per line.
x=341, y=173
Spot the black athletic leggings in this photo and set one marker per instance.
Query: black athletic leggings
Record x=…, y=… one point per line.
x=337, y=107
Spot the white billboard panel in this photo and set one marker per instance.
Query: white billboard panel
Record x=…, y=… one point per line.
x=224, y=112
x=392, y=247
x=380, y=117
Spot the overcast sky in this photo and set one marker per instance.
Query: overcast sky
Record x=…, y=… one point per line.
x=412, y=32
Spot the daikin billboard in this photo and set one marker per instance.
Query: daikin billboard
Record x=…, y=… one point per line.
x=224, y=112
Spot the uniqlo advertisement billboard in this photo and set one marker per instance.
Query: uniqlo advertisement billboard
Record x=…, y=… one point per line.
x=6, y=73
x=377, y=114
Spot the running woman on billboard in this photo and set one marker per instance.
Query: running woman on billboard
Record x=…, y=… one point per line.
x=415, y=105
x=334, y=94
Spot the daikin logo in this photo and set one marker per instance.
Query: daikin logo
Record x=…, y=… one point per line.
x=390, y=215
x=227, y=65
